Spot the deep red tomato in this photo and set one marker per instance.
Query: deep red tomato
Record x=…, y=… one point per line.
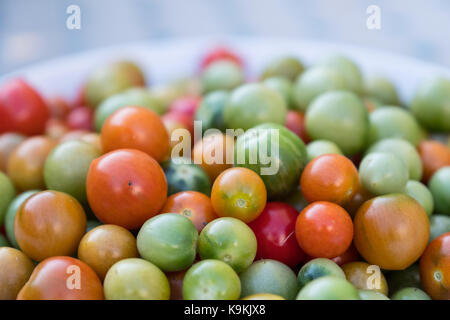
x=81, y=118
x=435, y=268
x=219, y=53
x=185, y=105
x=295, y=121
x=22, y=109
x=126, y=187
x=275, y=232
x=324, y=230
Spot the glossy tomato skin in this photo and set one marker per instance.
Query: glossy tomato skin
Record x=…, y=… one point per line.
x=324, y=230
x=329, y=177
x=126, y=187
x=16, y=270
x=275, y=233
x=193, y=205
x=435, y=268
x=81, y=118
x=434, y=155
x=22, y=109
x=136, y=128
x=62, y=278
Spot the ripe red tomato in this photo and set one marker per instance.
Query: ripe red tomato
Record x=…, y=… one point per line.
x=275, y=232
x=62, y=278
x=295, y=121
x=217, y=54
x=434, y=155
x=81, y=118
x=22, y=109
x=329, y=177
x=435, y=268
x=136, y=128
x=185, y=105
x=126, y=187
x=324, y=230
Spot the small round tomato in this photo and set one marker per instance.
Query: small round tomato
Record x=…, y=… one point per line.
x=183, y=176
x=275, y=232
x=328, y=288
x=239, y=193
x=126, y=187
x=16, y=270
x=55, y=128
x=391, y=231
x=295, y=121
x=22, y=109
x=435, y=268
x=8, y=142
x=361, y=275
x=329, y=177
x=81, y=118
x=62, y=278
x=361, y=196
x=26, y=163
x=58, y=107
x=185, y=105
x=217, y=54
x=434, y=155
x=316, y=268
x=176, y=119
x=324, y=229
x=136, y=128
x=410, y=294
x=350, y=255
x=105, y=245
x=49, y=223
x=73, y=135
x=193, y=205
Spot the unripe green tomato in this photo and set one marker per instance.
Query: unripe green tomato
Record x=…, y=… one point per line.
x=222, y=75
x=383, y=90
x=7, y=193
x=320, y=147
x=410, y=294
x=349, y=69
x=439, y=224
x=210, y=111
x=286, y=67
x=328, y=288
x=440, y=189
x=284, y=87
x=316, y=268
x=421, y=194
x=371, y=295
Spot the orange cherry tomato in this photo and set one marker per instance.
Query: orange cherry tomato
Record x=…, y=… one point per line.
x=391, y=231
x=329, y=177
x=324, y=230
x=49, y=223
x=126, y=187
x=434, y=155
x=239, y=193
x=435, y=268
x=205, y=154
x=135, y=128
x=26, y=162
x=16, y=269
x=62, y=278
x=8, y=142
x=192, y=204
x=295, y=121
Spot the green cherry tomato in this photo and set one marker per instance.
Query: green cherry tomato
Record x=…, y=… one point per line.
x=136, y=279
x=250, y=100
x=7, y=193
x=230, y=240
x=222, y=75
x=269, y=276
x=67, y=166
x=211, y=280
x=316, y=268
x=348, y=69
x=169, y=241
x=371, y=295
x=328, y=288
x=439, y=224
x=286, y=67
x=185, y=177
x=410, y=294
x=421, y=194
x=320, y=147
x=340, y=117
x=210, y=110
x=410, y=277
x=284, y=87
x=383, y=90
x=440, y=189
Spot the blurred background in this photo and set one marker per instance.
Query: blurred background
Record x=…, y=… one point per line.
x=32, y=31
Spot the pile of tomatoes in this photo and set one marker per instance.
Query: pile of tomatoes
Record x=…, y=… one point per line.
x=94, y=206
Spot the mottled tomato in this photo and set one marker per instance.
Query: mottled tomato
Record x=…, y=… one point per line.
x=16, y=270
x=192, y=204
x=26, y=162
x=8, y=142
x=434, y=155
x=136, y=128
x=329, y=177
x=391, y=231
x=435, y=268
x=350, y=255
x=62, y=278
x=217, y=54
x=49, y=223
x=185, y=105
x=81, y=118
x=324, y=229
x=214, y=153
x=275, y=232
x=239, y=193
x=295, y=121
x=22, y=109
x=126, y=187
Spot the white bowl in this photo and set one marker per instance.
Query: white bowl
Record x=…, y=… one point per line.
x=165, y=60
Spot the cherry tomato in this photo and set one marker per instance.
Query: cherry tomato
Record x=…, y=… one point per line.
x=362, y=277
x=435, y=268
x=81, y=118
x=8, y=142
x=16, y=270
x=56, y=128
x=22, y=109
x=49, y=223
x=350, y=255
x=329, y=177
x=135, y=128
x=275, y=232
x=434, y=155
x=391, y=231
x=62, y=278
x=73, y=135
x=185, y=105
x=217, y=54
x=239, y=193
x=324, y=229
x=361, y=195
x=58, y=107
x=295, y=121
x=192, y=204
x=181, y=120
x=126, y=187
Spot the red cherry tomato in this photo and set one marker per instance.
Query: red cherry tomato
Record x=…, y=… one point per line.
x=186, y=105
x=275, y=232
x=324, y=230
x=22, y=109
x=217, y=54
x=295, y=121
x=81, y=118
